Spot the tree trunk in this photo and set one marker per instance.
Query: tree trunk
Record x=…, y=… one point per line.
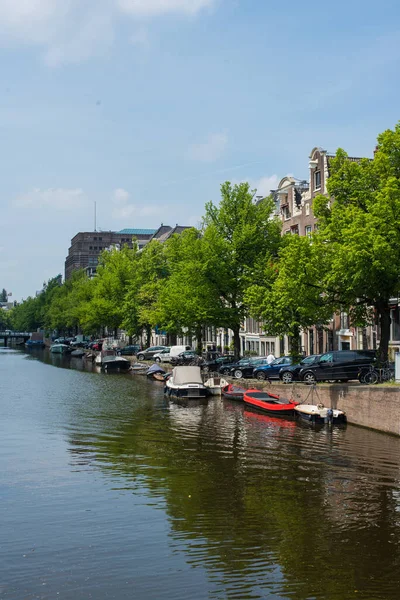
x=383, y=309
x=236, y=341
x=199, y=339
x=148, y=335
x=295, y=349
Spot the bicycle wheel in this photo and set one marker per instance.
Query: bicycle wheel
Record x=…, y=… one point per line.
x=371, y=377
x=387, y=375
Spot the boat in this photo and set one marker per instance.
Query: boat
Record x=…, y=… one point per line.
x=320, y=414
x=159, y=377
x=215, y=385
x=155, y=370
x=78, y=353
x=33, y=344
x=269, y=403
x=186, y=383
x=60, y=348
x=233, y=392
x=139, y=368
x=115, y=363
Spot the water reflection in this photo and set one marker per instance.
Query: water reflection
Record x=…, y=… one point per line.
x=254, y=506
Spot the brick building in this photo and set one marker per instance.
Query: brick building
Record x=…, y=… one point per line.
x=86, y=246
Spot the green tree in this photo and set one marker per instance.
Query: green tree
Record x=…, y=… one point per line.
x=3, y=295
x=240, y=237
x=360, y=234
x=284, y=299
x=188, y=299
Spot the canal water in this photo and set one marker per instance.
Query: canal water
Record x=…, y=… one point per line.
x=108, y=490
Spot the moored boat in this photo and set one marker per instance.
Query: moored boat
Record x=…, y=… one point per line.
x=186, y=383
x=215, y=384
x=60, y=348
x=320, y=414
x=154, y=371
x=269, y=403
x=233, y=392
x=34, y=344
x=115, y=363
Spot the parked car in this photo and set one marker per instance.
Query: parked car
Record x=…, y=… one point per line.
x=338, y=365
x=163, y=355
x=149, y=352
x=217, y=363
x=96, y=345
x=176, y=350
x=290, y=373
x=185, y=358
x=129, y=350
x=244, y=367
x=271, y=371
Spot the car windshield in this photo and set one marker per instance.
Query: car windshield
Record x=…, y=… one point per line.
x=308, y=360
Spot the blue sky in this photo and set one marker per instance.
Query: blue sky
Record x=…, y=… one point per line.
x=146, y=106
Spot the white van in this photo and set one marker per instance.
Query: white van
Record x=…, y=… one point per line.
x=176, y=350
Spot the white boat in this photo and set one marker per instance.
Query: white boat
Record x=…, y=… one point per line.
x=215, y=384
x=318, y=413
x=186, y=383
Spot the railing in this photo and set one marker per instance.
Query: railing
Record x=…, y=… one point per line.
x=9, y=333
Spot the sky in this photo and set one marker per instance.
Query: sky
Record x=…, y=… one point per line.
x=146, y=106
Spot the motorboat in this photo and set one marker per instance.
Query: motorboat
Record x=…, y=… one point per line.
x=78, y=353
x=186, y=382
x=269, y=403
x=155, y=370
x=60, y=348
x=115, y=363
x=214, y=384
x=34, y=344
x=320, y=414
x=233, y=392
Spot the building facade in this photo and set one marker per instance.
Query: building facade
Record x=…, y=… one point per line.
x=86, y=247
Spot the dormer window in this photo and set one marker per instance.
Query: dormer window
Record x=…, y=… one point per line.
x=317, y=180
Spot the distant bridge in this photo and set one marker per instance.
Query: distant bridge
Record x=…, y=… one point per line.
x=14, y=335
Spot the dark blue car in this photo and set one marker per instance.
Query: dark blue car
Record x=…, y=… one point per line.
x=271, y=371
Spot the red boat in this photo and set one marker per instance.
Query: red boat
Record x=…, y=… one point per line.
x=269, y=403
x=233, y=392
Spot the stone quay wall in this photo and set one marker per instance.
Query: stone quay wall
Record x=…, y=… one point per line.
x=373, y=406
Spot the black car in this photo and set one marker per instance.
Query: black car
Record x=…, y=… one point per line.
x=271, y=370
x=149, y=352
x=290, y=373
x=244, y=367
x=338, y=365
x=217, y=363
x=130, y=350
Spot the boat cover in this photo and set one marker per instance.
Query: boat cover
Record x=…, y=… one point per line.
x=183, y=375
x=155, y=369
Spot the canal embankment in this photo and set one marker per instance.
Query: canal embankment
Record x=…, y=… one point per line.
x=373, y=406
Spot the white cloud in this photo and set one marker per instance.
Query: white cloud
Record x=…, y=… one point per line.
x=75, y=30
x=123, y=209
x=210, y=150
x=264, y=185
x=53, y=198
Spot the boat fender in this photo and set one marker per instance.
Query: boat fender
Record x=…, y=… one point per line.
x=329, y=415
x=320, y=406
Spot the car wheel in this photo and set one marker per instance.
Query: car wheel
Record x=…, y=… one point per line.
x=225, y=371
x=238, y=374
x=309, y=378
x=140, y=356
x=287, y=377
x=158, y=359
x=261, y=376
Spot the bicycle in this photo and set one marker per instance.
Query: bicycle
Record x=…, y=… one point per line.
x=374, y=374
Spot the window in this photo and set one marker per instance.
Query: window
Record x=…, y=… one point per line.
x=294, y=230
x=94, y=247
x=286, y=212
x=308, y=230
x=95, y=238
x=317, y=180
x=307, y=208
x=326, y=358
x=100, y=238
x=90, y=247
x=272, y=347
